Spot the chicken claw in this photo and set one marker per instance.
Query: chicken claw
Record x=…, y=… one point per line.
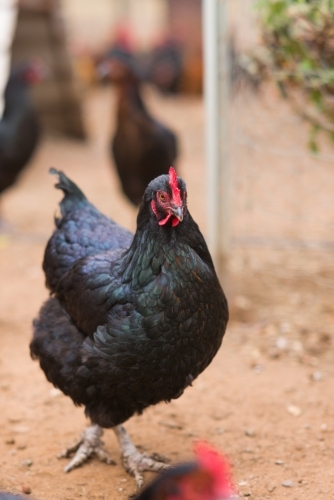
x=87, y=445
x=134, y=461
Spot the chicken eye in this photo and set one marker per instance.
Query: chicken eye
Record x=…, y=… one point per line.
x=162, y=197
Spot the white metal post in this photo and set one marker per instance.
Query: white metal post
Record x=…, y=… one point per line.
x=216, y=91
x=8, y=15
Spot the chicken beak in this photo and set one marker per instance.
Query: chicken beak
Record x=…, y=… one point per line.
x=103, y=69
x=178, y=213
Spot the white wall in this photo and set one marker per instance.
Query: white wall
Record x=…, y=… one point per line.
x=91, y=22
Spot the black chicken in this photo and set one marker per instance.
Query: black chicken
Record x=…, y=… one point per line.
x=19, y=128
x=132, y=321
x=206, y=478
x=142, y=147
x=165, y=66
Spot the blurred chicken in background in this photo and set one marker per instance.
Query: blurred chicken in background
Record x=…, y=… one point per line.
x=142, y=147
x=19, y=127
x=31, y=32
x=206, y=478
x=165, y=65
x=121, y=43
x=123, y=39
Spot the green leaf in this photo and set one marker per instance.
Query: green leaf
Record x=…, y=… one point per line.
x=298, y=36
x=313, y=145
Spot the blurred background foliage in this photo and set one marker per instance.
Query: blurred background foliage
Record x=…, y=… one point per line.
x=297, y=50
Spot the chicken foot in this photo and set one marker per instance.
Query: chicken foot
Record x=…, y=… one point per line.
x=134, y=461
x=87, y=445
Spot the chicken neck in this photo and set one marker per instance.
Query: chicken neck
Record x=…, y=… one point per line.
x=129, y=99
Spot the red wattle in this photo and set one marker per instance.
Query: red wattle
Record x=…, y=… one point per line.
x=166, y=219
x=175, y=221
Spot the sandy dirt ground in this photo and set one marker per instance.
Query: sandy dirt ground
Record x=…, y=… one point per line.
x=266, y=400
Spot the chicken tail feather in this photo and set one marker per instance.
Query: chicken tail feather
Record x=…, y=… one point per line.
x=73, y=195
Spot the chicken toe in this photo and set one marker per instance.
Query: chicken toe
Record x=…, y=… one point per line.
x=135, y=462
x=87, y=445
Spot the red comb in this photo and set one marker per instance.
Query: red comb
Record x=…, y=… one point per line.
x=217, y=465
x=176, y=196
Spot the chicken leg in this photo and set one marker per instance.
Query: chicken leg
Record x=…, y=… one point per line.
x=87, y=445
x=135, y=462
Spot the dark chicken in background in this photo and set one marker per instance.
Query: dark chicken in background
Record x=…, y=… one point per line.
x=165, y=66
x=206, y=478
x=19, y=128
x=142, y=147
x=132, y=320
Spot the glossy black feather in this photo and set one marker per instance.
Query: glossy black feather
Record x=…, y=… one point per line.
x=127, y=328
x=81, y=231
